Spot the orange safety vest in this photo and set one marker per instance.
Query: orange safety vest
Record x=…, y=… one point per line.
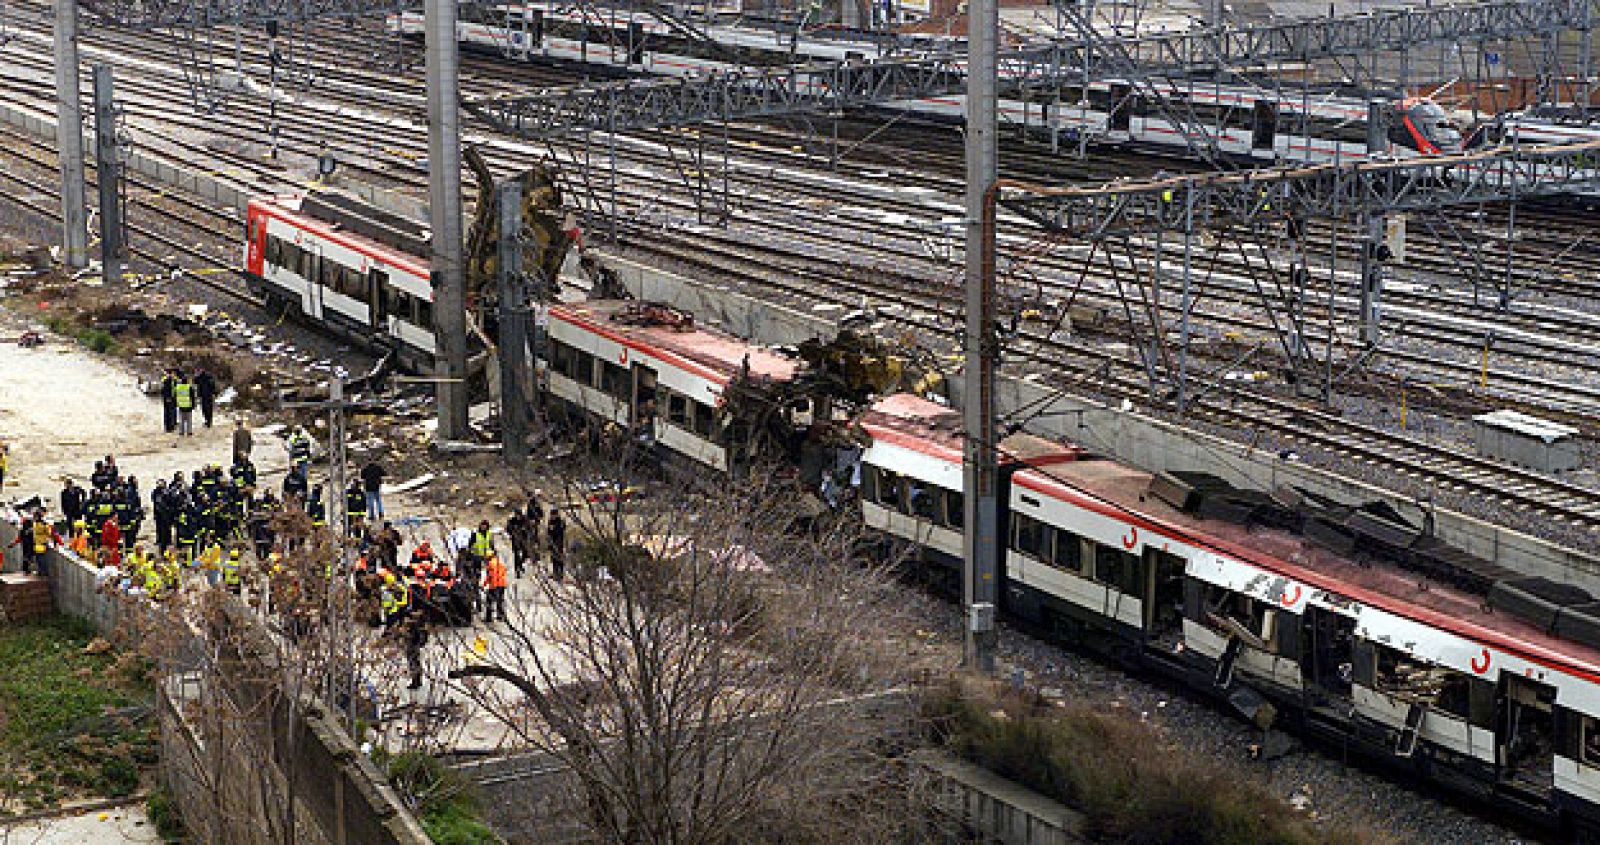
x=494, y=575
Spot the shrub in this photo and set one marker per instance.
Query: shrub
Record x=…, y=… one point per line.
x=1131, y=785
x=442, y=800
x=162, y=807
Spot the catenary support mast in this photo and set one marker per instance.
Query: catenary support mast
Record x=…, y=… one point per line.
x=980, y=541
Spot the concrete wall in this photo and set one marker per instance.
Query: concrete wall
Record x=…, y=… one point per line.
x=1142, y=441
x=223, y=190
x=999, y=809
x=245, y=735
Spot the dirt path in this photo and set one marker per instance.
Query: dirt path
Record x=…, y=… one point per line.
x=63, y=407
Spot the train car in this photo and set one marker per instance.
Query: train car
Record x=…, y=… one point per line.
x=649, y=370
x=911, y=477
x=344, y=265
x=1344, y=623
x=1243, y=122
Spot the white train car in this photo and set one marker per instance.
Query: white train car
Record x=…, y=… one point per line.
x=1243, y=122
x=343, y=265
x=650, y=371
x=1290, y=625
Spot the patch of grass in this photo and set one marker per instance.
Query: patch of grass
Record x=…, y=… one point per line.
x=71, y=724
x=1129, y=782
x=441, y=799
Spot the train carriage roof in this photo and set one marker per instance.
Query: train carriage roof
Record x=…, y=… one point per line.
x=1122, y=492
x=709, y=353
x=916, y=423
x=346, y=222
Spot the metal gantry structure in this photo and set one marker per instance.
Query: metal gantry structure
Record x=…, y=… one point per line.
x=1332, y=191
x=1035, y=70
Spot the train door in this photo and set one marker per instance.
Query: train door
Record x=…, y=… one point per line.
x=642, y=409
x=1264, y=129
x=378, y=300
x=1526, y=740
x=1163, y=596
x=1329, y=646
x=311, y=271
x=1121, y=117
x=635, y=43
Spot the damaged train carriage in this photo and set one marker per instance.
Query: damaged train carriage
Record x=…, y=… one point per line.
x=1345, y=623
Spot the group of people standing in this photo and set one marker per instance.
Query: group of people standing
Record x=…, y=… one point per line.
x=180, y=395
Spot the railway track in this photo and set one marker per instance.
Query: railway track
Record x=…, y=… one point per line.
x=1406, y=454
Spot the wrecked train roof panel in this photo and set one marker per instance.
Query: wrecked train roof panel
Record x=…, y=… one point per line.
x=929, y=427
x=1122, y=492
x=713, y=354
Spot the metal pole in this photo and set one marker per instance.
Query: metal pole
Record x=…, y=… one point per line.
x=444, y=208
x=981, y=545
x=69, y=139
x=333, y=503
x=513, y=327
x=1371, y=266
x=108, y=174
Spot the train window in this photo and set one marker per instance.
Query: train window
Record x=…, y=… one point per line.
x=1591, y=741
x=1068, y=551
x=677, y=409
x=356, y=285
x=955, y=509
x=1029, y=536
x=889, y=489
x=274, y=255
x=869, y=483
x=924, y=503
x=614, y=381
x=425, y=314
x=1117, y=569
x=583, y=368
x=705, y=420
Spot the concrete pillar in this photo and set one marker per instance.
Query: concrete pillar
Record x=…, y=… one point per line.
x=444, y=210
x=69, y=139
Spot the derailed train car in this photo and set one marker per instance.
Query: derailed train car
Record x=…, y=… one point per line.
x=1345, y=623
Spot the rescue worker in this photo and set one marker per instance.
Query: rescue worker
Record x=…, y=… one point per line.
x=494, y=585
x=187, y=531
x=79, y=544
x=72, y=501
x=230, y=572
x=355, y=507
x=110, y=541
x=169, y=401
x=243, y=441
x=183, y=397
x=392, y=598
x=517, y=533
x=243, y=473
x=416, y=636
x=556, y=531
x=161, y=510
x=482, y=543
x=205, y=389
x=294, y=486
x=316, y=508
x=299, y=446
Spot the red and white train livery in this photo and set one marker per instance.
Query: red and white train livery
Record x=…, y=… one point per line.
x=1291, y=627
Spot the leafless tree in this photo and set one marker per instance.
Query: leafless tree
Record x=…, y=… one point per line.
x=713, y=669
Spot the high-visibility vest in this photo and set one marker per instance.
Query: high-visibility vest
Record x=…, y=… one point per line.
x=494, y=575
x=41, y=537
x=230, y=570
x=183, y=395
x=482, y=543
